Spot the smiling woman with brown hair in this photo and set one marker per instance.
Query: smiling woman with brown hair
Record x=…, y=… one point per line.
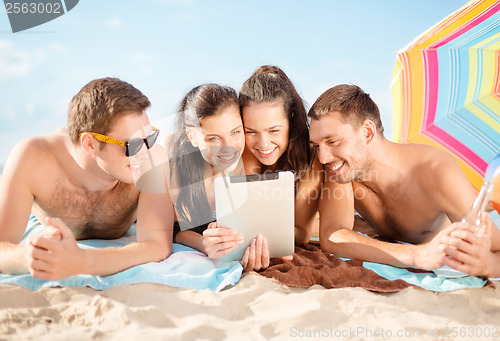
x=277, y=139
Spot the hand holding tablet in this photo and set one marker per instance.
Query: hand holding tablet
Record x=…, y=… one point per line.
x=257, y=204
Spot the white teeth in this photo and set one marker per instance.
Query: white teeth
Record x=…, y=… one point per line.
x=135, y=167
x=267, y=151
x=337, y=166
x=226, y=157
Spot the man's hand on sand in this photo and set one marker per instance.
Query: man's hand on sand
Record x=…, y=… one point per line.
x=54, y=254
x=469, y=252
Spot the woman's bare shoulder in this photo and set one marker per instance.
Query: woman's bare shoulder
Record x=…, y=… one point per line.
x=250, y=162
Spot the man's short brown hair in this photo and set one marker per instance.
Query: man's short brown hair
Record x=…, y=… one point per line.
x=354, y=105
x=95, y=107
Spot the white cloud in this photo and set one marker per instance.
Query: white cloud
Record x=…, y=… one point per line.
x=18, y=63
x=57, y=47
x=15, y=63
x=114, y=23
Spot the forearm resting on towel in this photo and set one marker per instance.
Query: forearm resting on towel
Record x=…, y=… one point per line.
x=55, y=253
x=347, y=243
x=12, y=258
x=153, y=245
x=110, y=260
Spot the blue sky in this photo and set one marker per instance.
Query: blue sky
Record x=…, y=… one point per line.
x=166, y=47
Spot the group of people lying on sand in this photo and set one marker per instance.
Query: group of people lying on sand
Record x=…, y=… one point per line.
x=83, y=184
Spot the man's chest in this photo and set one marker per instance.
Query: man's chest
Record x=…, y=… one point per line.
x=403, y=215
x=89, y=215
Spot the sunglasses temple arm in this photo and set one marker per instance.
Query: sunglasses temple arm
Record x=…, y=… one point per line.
x=150, y=158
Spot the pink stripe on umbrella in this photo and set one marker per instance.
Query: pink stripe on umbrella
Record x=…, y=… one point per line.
x=458, y=148
x=496, y=84
x=467, y=26
x=431, y=70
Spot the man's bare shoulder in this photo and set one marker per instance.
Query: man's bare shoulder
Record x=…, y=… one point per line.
x=32, y=152
x=40, y=145
x=438, y=172
x=35, y=157
x=427, y=159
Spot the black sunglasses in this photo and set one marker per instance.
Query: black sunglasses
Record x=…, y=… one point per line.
x=133, y=146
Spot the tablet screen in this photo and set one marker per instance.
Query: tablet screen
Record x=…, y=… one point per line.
x=259, y=203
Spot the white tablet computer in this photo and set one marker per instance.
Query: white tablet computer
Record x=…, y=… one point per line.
x=260, y=203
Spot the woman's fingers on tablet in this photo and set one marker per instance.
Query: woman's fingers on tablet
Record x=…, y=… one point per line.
x=244, y=259
x=222, y=245
x=221, y=231
x=212, y=225
x=258, y=252
x=265, y=254
x=217, y=252
x=256, y=256
x=222, y=239
x=227, y=250
x=231, y=245
x=251, y=256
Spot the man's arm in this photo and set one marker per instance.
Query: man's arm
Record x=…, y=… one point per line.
x=336, y=235
x=16, y=200
x=474, y=252
x=155, y=219
x=51, y=259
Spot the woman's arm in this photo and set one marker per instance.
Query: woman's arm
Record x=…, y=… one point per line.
x=191, y=239
x=307, y=201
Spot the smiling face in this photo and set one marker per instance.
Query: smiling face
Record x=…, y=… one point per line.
x=340, y=147
x=220, y=138
x=111, y=158
x=266, y=130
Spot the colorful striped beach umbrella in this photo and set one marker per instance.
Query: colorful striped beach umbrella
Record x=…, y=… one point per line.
x=446, y=88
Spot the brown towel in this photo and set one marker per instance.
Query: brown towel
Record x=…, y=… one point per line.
x=310, y=266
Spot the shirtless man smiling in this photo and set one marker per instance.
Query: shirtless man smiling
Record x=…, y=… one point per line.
x=404, y=192
x=84, y=179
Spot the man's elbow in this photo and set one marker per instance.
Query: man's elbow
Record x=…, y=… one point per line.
x=161, y=251
x=302, y=235
x=166, y=251
x=332, y=240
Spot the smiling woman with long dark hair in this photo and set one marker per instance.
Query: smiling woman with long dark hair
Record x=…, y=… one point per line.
x=208, y=141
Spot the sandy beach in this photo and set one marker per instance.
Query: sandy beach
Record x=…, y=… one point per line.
x=255, y=309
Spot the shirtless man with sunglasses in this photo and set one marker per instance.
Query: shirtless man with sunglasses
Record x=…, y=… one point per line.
x=80, y=186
